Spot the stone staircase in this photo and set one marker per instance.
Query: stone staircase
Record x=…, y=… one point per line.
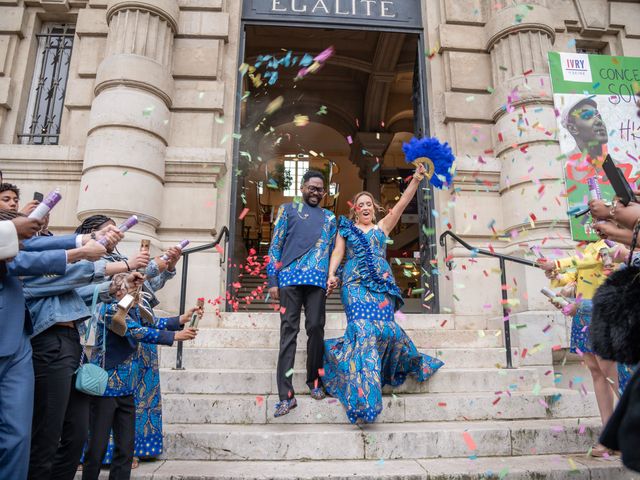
x=473, y=419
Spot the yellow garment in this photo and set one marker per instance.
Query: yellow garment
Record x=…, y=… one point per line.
x=588, y=269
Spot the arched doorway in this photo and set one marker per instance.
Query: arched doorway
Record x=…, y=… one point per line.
x=349, y=120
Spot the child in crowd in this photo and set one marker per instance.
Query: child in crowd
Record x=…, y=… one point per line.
x=116, y=408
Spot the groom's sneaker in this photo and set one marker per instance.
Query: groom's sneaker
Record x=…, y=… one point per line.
x=318, y=393
x=285, y=406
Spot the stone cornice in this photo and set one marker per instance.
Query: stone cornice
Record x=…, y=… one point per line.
x=134, y=84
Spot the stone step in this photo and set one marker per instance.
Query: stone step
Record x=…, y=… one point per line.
x=430, y=407
x=263, y=382
x=538, y=467
x=335, y=320
x=230, y=358
x=388, y=441
x=431, y=338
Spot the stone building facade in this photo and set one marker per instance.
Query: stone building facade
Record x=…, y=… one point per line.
x=149, y=114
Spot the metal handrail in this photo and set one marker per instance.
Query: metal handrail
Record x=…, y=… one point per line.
x=506, y=311
x=183, y=285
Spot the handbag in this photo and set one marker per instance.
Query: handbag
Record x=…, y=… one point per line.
x=92, y=379
x=615, y=322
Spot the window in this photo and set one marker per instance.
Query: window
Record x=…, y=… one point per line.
x=295, y=169
x=46, y=99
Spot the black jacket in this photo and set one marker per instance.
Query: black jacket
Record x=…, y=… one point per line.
x=623, y=430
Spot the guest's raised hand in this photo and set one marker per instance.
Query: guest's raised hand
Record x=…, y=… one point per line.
x=546, y=264
x=420, y=172
x=111, y=234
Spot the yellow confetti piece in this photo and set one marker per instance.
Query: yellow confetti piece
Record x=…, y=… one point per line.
x=301, y=120
x=274, y=105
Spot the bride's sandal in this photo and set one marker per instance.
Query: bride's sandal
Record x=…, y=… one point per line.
x=135, y=464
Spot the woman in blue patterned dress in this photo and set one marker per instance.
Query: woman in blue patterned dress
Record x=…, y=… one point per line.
x=374, y=351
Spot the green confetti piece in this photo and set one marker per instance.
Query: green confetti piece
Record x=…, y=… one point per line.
x=125, y=172
x=148, y=111
x=503, y=473
x=536, y=389
x=289, y=373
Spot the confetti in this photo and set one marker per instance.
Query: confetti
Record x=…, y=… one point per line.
x=469, y=441
x=289, y=373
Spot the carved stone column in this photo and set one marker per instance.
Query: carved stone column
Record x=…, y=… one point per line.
x=129, y=123
x=520, y=37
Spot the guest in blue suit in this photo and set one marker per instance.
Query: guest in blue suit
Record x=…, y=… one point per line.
x=43, y=255
x=298, y=269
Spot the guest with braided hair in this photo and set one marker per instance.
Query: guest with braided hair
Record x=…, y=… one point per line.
x=148, y=401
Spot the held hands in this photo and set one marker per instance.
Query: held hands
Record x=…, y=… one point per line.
x=27, y=227
x=332, y=283
x=186, y=316
x=570, y=310
x=186, y=334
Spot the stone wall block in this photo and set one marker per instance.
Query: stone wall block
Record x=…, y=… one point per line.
x=91, y=52
x=462, y=37
x=132, y=108
x=466, y=107
x=204, y=24
x=192, y=129
x=79, y=93
x=467, y=71
x=91, y=22
x=137, y=71
x=621, y=14
x=199, y=95
x=473, y=139
x=594, y=16
x=466, y=12
x=13, y=20
x=195, y=57
x=5, y=45
x=6, y=92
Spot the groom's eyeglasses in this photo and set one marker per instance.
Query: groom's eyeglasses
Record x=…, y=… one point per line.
x=313, y=189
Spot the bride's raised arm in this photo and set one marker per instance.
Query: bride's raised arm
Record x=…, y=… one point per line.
x=389, y=222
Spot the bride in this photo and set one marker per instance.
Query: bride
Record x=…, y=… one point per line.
x=374, y=351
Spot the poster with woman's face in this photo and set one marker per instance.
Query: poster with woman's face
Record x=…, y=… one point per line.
x=597, y=116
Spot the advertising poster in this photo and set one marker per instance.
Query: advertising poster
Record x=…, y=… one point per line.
x=597, y=115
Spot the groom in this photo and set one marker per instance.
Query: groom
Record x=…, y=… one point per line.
x=303, y=239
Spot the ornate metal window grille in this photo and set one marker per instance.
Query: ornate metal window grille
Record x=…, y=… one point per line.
x=46, y=100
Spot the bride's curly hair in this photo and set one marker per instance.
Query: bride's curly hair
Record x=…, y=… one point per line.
x=353, y=210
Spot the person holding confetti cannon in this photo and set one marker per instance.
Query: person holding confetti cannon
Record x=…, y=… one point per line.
x=588, y=270
x=373, y=341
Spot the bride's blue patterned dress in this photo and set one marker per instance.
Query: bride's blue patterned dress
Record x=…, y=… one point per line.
x=374, y=351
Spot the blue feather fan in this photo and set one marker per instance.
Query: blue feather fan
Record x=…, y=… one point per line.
x=440, y=154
